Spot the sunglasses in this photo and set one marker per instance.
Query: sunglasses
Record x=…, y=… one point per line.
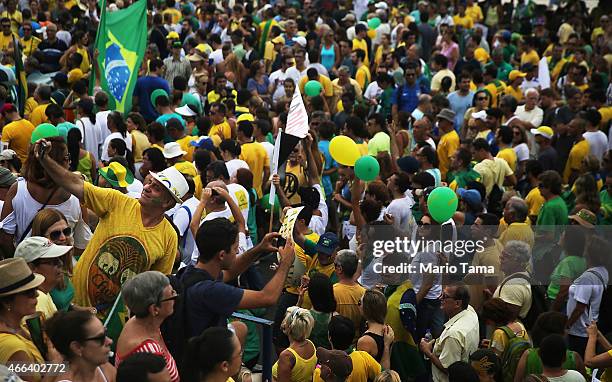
x=481, y=98
x=100, y=339
x=55, y=235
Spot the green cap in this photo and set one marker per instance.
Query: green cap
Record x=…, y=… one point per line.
x=157, y=93
x=44, y=130
x=64, y=127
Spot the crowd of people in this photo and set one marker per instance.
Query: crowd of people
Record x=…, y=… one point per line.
x=129, y=240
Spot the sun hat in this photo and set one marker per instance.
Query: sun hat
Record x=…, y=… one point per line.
x=173, y=181
x=157, y=93
x=44, y=130
x=543, y=131
x=185, y=111
x=173, y=150
x=16, y=276
x=117, y=175
x=447, y=114
x=195, y=57
x=38, y=247
x=514, y=74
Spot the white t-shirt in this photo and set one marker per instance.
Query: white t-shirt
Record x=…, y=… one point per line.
x=241, y=198
x=280, y=89
x=182, y=220
x=586, y=289
x=418, y=261
x=127, y=140
x=598, y=143
x=234, y=164
x=269, y=149
x=372, y=91
x=533, y=116
x=102, y=125
x=569, y=376
x=226, y=213
x=319, y=223
x=522, y=152
x=217, y=56
x=90, y=135
x=401, y=210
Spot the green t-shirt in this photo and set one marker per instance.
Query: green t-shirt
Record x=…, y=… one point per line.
x=318, y=335
x=606, y=207
x=63, y=297
x=570, y=267
x=509, y=52
x=553, y=213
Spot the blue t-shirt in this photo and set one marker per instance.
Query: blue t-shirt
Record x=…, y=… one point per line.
x=210, y=302
x=261, y=88
x=459, y=104
x=329, y=163
x=143, y=89
x=408, y=98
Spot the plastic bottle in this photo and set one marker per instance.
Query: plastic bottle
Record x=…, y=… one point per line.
x=428, y=337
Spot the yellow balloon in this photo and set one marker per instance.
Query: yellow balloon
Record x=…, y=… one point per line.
x=344, y=150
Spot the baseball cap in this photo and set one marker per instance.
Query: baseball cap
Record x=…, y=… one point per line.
x=245, y=117
x=6, y=177
x=7, y=154
x=300, y=40
x=74, y=75
x=338, y=362
x=381, y=5
x=349, y=17
x=38, y=247
x=543, y=131
x=514, y=74
x=278, y=40
x=205, y=143
x=117, y=175
x=172, y=35
x=481, y=55
x=327, y=244
x=485, y=361
x=157, y=93
x=173, y=181
x=471, y=197
x=482, y=115
x=408, y=164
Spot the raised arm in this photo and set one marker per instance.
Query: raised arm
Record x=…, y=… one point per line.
x=236, y=213
x=197, y=215
x=314, y=177
x=72, y=183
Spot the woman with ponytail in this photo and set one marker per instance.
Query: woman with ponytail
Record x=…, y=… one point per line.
x=118, y=129
x=213, y=356
x=296, y=363
x=117, y=147
x=80, y=160
x=86, y=122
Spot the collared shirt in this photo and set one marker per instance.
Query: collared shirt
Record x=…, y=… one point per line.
x=458, y=340
x=174, y=68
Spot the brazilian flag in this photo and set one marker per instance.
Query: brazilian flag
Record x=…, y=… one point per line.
x=121, y=42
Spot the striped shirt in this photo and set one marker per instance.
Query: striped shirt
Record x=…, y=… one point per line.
x=152, y=346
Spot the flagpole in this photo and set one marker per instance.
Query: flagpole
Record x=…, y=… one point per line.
x=274, y=171
x=92, y=78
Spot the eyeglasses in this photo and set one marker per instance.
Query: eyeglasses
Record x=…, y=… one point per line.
x=172, y=297
x=100, y=339
x=55, y=235
x=481, y=98
x=56, y=262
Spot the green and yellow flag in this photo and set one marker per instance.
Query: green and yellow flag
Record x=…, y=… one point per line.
x=121, y=42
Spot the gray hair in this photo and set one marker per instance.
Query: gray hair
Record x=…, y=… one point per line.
x=532, y=90
x=143, y=290
x=344, y=69
x=519, y=250
x=519, y=208
x=348, y=260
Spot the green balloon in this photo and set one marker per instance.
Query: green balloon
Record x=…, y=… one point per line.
x=442, y=204
x=64, y=127
x=312, y=88
x=374, y=23
x=44, y=130
x=367, y=168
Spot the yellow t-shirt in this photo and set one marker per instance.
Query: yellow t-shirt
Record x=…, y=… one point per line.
x=18, y=135
x=45, y=305
x=13, y=343
x=306, y=260
x=606, y=115
x=328, y=88
x=363, y=76
x=449, y=143
x=198, y=186
x=30, y=45
x=6, y=41
x=85, y=64
x=257, y=158
x=30, y=105
x=347, y=302
x=607, y=375
x=509, y=155
x=474, y=12
x=534, y=200
x=38, y=115
x=574, y=161
x=269, y=52
x=120, y=248
x=466, y=21
x=530, y=58
x=223, y=128
x=140, y=143
x=516, y=93
x=363, y=45
x=186, y=146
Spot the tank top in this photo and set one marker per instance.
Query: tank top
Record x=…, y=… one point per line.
x=534, y=363
x=98, y=369
x=303, y=369
x=380, y=344
x=328, y=57
x=25, y=207
x=152, y=346
x=84, y=167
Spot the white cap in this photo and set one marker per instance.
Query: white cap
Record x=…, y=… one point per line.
x=185, y=111
x=173, y=181
x=173, y=150
x=300, y=40
x=482, y=115
x=381, y=5
x=38, y=247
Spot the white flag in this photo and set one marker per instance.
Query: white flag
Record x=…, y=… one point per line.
x=274, y=166
x=543, y=74
x=297, y=119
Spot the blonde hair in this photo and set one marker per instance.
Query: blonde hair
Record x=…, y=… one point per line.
x=298, y=323
x=388, y=376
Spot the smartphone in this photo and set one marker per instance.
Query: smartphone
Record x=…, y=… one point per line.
x=280, y=242
x=34, y=324
x=42, y=150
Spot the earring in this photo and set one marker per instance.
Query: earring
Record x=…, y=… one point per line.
x=8, y=308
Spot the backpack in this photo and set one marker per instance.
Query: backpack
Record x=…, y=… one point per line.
x=605, y=307
x=185, y=257
x=539, y=303
x=175, y=329
x=512, y=353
